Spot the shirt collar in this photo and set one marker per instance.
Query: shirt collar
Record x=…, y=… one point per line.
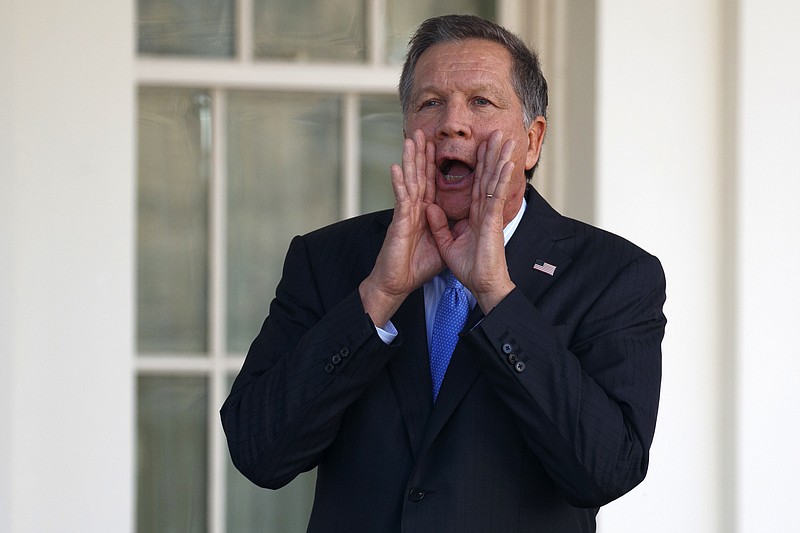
x=511, y=227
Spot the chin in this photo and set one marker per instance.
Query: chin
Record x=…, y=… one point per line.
x=455, y=207
x=456, y=214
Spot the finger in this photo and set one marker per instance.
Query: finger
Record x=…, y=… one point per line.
x=430, y=172
x=508, y=150
x=500, y=193
x=492, y=153
x=398, y=186
x=437, y=222
x=503, y=168
x=477, y=189
x=420, y=162
x=409, y=168
x=490, y=170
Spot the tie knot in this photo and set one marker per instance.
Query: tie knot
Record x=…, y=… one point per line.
x=451, y=282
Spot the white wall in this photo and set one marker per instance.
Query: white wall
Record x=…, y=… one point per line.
x=697, y=127
x=768, y=259
x=657, y=181
x=6, y=283
x=66, y=309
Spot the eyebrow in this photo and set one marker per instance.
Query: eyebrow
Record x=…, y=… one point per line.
x=489, y=89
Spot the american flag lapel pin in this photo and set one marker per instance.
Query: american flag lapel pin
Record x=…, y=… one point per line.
x=542, y=266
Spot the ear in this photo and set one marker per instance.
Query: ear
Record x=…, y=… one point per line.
x=536, y=134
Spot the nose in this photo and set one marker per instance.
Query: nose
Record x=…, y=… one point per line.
x=454, y=122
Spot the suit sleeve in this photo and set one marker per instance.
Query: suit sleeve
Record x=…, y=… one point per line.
x=309, y=362
x=585, y=395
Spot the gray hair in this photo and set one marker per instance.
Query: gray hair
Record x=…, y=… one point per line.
x=526, y=72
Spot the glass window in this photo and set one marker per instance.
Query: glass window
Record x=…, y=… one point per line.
x=172, y=452
x=381, y=145
x=403, y=17
x=172, y=236
x=185, y=27
x=312, y=30
x=251, y=508
x=230, y=168
x=283, y=180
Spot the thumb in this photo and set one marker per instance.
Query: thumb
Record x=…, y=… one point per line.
x=437, y=222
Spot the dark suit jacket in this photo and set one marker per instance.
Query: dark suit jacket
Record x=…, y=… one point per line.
x=547, y=410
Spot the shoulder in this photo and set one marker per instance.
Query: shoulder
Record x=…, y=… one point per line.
x=594, y=251
x=603, y=244
x=355, y=229
x=344, y=248
x=575, y=237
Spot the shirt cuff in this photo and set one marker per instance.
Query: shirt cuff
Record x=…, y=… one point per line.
x=387, y=333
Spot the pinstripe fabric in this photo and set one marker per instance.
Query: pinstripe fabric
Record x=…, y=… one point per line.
x=547, y=410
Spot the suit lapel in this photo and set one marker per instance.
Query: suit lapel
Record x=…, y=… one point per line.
x=535, y=240
x=461, y=374
x=409, y=370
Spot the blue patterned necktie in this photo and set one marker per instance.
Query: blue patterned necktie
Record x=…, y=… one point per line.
x=451, y=314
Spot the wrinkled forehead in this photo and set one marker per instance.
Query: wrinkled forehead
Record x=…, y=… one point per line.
x=473, y=60
x=447, y=55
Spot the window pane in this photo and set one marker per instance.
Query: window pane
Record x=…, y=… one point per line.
x=186, y=27
x=283, y=180
x=381, y=145
x=405, y=15
x=312, y=30
x=172, y=239
x=171, y=454
x=252, y=508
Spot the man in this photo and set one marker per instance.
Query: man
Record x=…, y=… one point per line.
x=547, y=407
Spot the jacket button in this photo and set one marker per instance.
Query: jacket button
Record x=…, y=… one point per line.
x=344, y=352
x=519, y=367
x=513, y=358
x=336, y=359
x=329, y=368
x=507, y=348
x=416, y=494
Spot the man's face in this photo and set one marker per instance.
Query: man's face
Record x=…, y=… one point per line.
x=462, y=93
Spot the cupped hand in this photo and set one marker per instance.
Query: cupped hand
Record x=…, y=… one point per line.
x=409, y=256
x=473, y=248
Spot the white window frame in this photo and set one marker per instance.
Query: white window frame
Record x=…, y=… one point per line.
x=351, y=81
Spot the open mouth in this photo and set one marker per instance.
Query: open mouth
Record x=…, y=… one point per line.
x=454, y=170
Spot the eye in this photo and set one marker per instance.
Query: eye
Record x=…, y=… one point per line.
x=481, y=101
x=429, y=103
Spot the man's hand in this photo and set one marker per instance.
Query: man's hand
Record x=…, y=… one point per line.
x=473, y=249
x=409, y=256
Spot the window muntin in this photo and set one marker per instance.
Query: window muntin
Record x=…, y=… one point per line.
x=232, y=164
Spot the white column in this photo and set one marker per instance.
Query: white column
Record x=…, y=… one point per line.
x=768, y=305
x=66, y=274
x=6, y=268
x=660, y=173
